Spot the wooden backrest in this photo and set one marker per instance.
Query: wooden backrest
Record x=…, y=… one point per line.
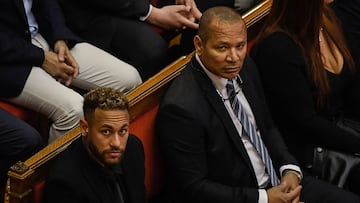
x=26, y=180
x=144, y=102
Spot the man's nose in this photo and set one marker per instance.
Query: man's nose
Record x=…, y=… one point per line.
x=115, y=141
x=233, y=55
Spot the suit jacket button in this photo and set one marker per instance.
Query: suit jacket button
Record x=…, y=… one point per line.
x=319, y=149
x=26, y=32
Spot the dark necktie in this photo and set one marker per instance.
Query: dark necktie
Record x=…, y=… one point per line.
x=250, y=131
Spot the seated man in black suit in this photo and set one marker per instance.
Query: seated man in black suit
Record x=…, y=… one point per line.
x=106, y=164
x=218, y=139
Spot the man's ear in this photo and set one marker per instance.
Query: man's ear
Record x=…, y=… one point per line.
x=84, y=127
x=198, y=45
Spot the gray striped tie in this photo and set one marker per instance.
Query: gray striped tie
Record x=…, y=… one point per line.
x=250, y=131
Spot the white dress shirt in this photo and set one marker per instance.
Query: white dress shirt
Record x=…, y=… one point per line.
x=33, y=25
x=143, y=18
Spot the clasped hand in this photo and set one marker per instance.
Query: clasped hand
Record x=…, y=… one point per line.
x=287, y=192
x=180, y=16
x=60, y=63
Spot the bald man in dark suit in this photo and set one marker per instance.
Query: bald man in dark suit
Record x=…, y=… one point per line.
x=212, y=150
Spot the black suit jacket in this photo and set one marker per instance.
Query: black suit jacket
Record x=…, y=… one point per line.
x=76, y=177
x=206, y=158
x=17, y=54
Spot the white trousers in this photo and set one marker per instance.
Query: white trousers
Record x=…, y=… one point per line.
x=43, y=94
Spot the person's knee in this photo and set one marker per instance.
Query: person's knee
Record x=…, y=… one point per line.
x=109, y=71
x=123, y=77
x=153, y=59
x=158, y=53
x=26, y=142
x=139, y=45
x=67, y=118
x=32, y=140
x=31, y=146
x=68, y=113
x=131, y=80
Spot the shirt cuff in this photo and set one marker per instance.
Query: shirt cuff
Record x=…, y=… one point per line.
x=291, y=167
x=263, y=198
x=143, y=18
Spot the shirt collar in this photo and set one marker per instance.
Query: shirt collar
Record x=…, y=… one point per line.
x=218, y=82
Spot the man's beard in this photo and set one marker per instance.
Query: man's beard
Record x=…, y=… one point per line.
x=100, y=156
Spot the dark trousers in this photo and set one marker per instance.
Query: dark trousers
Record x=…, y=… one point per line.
x=18, y=141
x=315, y=191
x=132, y=41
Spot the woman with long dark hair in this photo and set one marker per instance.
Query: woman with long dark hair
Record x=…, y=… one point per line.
x=311, y=79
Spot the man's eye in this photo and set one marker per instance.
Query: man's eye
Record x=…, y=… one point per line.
x=221, y=48
x=106, y=132
x=123, y=131
x=241, y=45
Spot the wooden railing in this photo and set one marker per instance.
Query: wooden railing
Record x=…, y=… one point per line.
x=257, y=13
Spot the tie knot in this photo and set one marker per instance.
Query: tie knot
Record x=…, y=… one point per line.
x=230, y=87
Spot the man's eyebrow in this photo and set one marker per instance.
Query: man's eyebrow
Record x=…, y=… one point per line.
x=106, y=126
x=125, y=125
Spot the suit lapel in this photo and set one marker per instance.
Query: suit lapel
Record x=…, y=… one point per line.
x=218, y=105
x=20, y=8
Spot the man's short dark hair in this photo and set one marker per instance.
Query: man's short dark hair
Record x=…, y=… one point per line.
x=105, y=99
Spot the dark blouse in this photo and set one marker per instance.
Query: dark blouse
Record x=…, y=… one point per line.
x=338, y=85
x=291, y=98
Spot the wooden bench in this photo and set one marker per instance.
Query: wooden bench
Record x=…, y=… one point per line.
x=26, y=180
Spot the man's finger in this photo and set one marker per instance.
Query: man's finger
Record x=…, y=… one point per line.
x=61, y=54
x=188, y=4
x=296, y=200
x=180, y=8
x=69, y=81
x=283, y=186
x=195, y=11
x=190, y=24
x=72, y=62
x=295, y=193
